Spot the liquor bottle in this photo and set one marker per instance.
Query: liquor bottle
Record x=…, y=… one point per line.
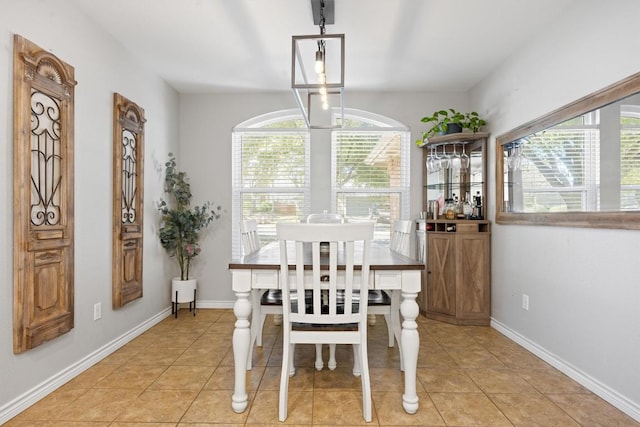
x=479, y=205
x=467, y=209
x=460, y=208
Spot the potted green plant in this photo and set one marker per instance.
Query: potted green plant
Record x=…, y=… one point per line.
x=181, y=226
x=444, y=122
x=450, y=121
x=473, y=122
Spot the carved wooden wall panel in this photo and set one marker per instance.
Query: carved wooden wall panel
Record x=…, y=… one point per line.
x=43, y=100
x=128, y=215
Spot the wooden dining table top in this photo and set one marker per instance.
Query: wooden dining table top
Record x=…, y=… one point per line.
x=380, y=258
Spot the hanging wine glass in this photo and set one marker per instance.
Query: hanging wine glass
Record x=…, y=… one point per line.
x=455, y=159
x=433, y=162
x=513, y=160
x=445, y=160
x=465, y=162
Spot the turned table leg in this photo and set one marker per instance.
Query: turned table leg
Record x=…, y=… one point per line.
x=241, y=343
x=410, y=342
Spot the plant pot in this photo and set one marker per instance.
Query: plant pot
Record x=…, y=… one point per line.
x=453, y=128
x=183, y=291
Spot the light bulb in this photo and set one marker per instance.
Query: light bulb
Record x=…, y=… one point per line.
x=319, y=61
x=323, y=90
x=325, y=105
x=322, y=78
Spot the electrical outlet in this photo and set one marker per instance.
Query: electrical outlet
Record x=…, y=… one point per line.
x=97, y=311
x=525, y=301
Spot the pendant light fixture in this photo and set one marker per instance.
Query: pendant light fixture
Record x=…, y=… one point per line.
x=317, y=71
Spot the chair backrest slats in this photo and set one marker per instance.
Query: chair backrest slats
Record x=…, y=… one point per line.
x=344, y=267
x=325, y=217
x=401, y=237
x=250, y=237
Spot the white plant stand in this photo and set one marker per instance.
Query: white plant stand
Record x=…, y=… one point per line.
x=183, y=291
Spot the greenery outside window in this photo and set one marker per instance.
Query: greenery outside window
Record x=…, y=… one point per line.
x=370, y=171
x=271, y=168
x=271, y=180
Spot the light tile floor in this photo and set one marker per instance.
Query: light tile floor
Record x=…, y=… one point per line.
x=180, y=373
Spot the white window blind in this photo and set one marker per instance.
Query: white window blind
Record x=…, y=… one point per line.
x=561, y=168
x=590, y=163
x=270, y=178
x=271, y=168
x=630, y=158
x=370, y=174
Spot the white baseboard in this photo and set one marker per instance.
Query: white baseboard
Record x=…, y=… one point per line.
x=215, y=304
x=22, y=402
x=616, y=399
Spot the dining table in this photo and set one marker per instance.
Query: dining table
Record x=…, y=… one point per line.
x=389, y=271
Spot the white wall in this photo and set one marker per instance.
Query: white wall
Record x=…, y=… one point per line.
x=584, y=284
x=101, y=68
x=205, y=153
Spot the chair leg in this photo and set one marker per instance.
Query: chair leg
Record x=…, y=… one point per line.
x=357, y=369
x=332, y=357
x=372, y=319
x=292, y=367
x=366, y=382
x=194, y=302
x=255, y=315
x=396, y=325
x=255, y=324
x=277, y=319
x=263, y=318
x=389, y=322
x=287, y=357
x=319, y=361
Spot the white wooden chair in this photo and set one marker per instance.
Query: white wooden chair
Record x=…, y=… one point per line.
x=328, y=319
x=325, y=218
x=401, y=237
x=387, y=303
x=250, y=237
x=263, y=302
x=380, y=302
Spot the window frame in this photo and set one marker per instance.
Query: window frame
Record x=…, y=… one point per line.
x=378, y=124
x=258, y=125
x=629, y=220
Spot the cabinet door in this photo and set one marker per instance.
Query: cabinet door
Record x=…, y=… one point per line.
x=441, y=289
x=472, y=276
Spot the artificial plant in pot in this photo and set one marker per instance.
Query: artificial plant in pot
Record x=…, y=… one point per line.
x=181, y=226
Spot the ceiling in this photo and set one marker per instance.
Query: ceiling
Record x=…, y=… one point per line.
x=205, y=46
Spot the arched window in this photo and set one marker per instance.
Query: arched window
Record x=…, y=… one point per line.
x=368, y=165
